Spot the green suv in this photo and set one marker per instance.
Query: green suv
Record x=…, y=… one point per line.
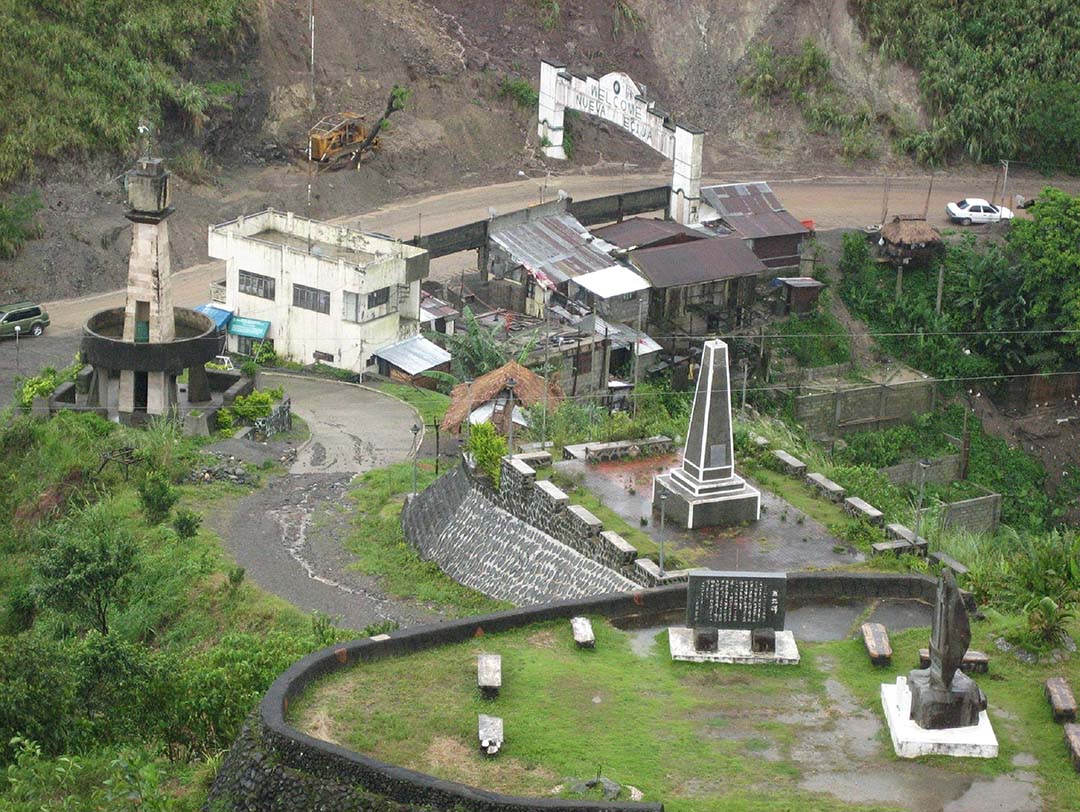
x=24, y=318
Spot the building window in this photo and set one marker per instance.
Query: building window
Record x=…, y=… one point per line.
x=311, y=298
x=378, y=297
x=255, y=284
x=245, y=345
x=350, y=306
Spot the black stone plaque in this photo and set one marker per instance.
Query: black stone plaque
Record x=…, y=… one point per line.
x=736, y=600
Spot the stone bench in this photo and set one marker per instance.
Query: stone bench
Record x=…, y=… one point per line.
x=1072, y=741
x=489, y=674
x=974, y=662
x=829, y=489
x=490, y=730
x=895, y=546
x=863, y=510
x=793, y=466
x=876, y=640
x=583, y=632
x=900, y=540
x=1062, y=701
x=535, y=459
x=948, y=561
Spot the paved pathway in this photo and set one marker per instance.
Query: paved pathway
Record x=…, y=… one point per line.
x=289, y=535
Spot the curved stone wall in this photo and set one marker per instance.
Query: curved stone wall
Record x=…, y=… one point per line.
x=103, y=345
x=273, y=767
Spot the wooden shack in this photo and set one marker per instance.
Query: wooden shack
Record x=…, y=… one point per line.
x=910, y=240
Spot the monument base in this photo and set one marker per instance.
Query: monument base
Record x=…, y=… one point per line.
x=736, y=503
x=911, y=741
x=732, y=646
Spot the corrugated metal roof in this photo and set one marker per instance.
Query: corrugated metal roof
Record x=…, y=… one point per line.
x=752, y=209
x=642, y=232
x=432, y=307
x=556, y=246
x=621, y=335
x=414, y=355
x=615, y=280
x=799, y=282
x=694, y=263
x=219, y=315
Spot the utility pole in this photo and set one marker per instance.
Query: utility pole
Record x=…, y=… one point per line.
x=1005, y=183
x=940, y=286
x=311, y=18
x=547, y=373
x=745, y=374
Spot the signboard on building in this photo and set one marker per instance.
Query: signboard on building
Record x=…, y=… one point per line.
x=249, y=328
x=736, y=600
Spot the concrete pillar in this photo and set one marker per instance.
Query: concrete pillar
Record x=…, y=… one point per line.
x=198, y=390
x=685, y=203
x=553, y=90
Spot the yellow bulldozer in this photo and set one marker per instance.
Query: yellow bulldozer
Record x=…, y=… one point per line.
x=338, y=135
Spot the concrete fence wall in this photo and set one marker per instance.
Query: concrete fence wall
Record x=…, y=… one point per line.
x=979, y=515
x=942, y=470
x=876, y=406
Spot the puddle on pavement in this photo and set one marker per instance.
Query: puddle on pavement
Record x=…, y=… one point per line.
x=643, y=641
x=908, y=789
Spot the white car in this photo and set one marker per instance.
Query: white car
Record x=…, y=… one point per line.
x=977, y=210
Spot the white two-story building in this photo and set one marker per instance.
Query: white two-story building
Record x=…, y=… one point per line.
x=329, y=293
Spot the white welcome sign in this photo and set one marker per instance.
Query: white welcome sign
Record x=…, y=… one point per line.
x=615, y=97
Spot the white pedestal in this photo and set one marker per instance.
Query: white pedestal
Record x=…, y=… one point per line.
x=911, y=741
x=733, y=646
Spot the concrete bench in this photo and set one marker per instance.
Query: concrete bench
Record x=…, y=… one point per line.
x=1072, y=741
x=876, y=640
x=829, y=489
x=489, y=674
x=490, y=730
x=900, y=539
x=948, y=561
x=894, y=546
x=974, y=662
x=583, y=633
x=1062, y=701
x=863, y=510
x=793, y=466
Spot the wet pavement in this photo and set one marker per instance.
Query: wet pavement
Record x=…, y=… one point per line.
x=784, y=539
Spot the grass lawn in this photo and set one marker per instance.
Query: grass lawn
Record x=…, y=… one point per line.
x=431, y=405
x=380, y=548
x=702, y=738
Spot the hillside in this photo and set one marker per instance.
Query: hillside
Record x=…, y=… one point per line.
x=230, y=91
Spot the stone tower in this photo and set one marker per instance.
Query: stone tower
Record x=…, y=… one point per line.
x=148, y=312
x=705, y=490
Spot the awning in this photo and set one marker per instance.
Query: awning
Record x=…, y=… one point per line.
x=617, y=280
x=414, y=355
x=249, y=328
x=219, y=315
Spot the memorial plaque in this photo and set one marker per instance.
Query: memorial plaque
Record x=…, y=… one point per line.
x=736, y=600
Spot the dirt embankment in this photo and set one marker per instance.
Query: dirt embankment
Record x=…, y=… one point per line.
x=458, y=129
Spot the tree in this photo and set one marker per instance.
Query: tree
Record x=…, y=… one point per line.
x=396, y=101
x=89, y=569
x=476, y=350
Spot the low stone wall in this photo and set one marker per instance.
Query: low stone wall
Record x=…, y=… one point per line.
x=942, y=470
x=628, y=449
x=273, y=767
x=979, y=515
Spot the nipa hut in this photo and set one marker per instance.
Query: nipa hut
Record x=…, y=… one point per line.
x=910, y=239
x=488, y=397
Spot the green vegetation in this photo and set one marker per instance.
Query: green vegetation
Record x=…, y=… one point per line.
x=694, y=739
x=1000, y=79
x=548, y=12
x=431, y=405
x=75, y=82
x=44, y=383
x=381, y=550
x=805, y=78
x=520, y=91
x=623, y=17
x=488, y=447
x=18, y=223
x=476, y=350
x=817, y=339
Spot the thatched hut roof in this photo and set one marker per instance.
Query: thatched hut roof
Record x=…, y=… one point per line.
x=528, y=390
x=910, y=231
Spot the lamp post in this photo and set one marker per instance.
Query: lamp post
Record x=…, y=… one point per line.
x=416, y=452
x=510, y=384
x=18, y=369
x=663, y=514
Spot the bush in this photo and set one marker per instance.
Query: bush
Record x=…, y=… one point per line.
x=157, y=497
x=17, y=223
x=488, y=447
x=520, y=91
x=250, y=408
x=186, y=523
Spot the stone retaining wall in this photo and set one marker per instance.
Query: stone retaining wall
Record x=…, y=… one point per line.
x=942, y=470
x=851, y=409
x=273, y=767
x=979, y=515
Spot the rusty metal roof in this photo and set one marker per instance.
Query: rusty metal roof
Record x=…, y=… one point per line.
x=643, y=232
x=752, y=209
x=697, y=262
x=557, y=246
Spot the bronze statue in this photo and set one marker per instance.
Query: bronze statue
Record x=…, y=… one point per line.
x=942, y=696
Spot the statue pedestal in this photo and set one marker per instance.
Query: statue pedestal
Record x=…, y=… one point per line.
x=911, y=741
x=717, y=504
x=733, y=646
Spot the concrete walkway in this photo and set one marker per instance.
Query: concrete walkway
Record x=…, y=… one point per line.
x=289, y=535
